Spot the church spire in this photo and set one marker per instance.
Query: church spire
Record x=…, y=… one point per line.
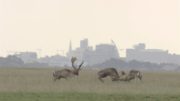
x=70, y=46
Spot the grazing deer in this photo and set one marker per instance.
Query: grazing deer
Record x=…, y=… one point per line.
x=108, y=72
x=65, y=73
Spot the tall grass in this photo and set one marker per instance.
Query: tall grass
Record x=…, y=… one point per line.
x=40, y=80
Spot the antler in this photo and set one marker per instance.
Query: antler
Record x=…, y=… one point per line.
x=81, y=65
x=73, y=59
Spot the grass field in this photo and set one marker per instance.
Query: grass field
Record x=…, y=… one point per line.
x=17, y=84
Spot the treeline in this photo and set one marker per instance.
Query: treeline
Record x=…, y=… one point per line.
x=121, y=64
x=13, y=61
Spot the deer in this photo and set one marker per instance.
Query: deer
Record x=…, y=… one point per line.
x=66, y=73
x=108, y=72
x=132, y=75
x=136, y=74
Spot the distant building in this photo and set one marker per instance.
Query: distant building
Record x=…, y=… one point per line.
x=101, y=53
x=140, y=53
x=84, y=44
x=56, y=60
x=105, y=52
x=27, y=57
x=79, y=52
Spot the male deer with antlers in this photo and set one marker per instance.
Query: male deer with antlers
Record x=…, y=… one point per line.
x=66, y=73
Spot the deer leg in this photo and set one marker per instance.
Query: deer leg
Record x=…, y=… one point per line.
x=65, y=78
x=101, y=79
x=140, y=78
x=55, y=78
x=115, y=78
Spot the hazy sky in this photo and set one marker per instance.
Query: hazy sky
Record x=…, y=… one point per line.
x=48, y=25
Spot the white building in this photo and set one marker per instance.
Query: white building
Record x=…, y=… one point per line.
x=140, y=53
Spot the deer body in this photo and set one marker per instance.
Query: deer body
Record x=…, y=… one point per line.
x=108, y=72
x=136, y=74
x=66, y=73
x=132, y=75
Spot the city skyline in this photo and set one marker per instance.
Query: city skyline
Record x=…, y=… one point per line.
x=47, y=26
x=121, y=52
x=102, y=55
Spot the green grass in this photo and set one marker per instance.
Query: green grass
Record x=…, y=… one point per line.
x=17, y=84
x=84, y=97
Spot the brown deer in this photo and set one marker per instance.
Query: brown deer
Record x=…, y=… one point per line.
x=136, y=74
x=132, y=75
x=66, y=73
x=108, y=72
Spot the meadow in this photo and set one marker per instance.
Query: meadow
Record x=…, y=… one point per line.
x=36, y=84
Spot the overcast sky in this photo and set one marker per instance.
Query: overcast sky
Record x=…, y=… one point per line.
x=49, y=25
